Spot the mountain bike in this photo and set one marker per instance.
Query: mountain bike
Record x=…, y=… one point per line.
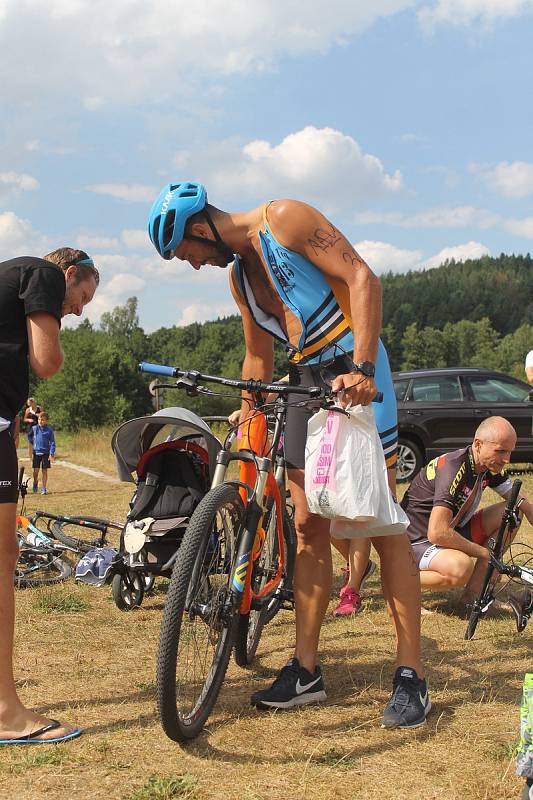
x=520, y=573
x=235, y=564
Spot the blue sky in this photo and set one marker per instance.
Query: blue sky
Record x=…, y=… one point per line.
x=410, y=123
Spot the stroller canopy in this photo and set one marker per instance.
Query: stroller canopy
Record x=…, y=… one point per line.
x=135, y=437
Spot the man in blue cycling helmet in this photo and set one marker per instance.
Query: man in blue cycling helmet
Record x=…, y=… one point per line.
x=296, y=278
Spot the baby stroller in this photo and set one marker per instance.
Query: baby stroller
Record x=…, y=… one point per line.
x=173, y=454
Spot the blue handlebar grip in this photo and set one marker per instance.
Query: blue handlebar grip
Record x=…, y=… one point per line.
x=157, y=369
x=378, y=398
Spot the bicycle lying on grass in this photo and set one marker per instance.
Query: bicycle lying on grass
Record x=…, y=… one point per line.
x=45, y=539
x=520, y=573
x=235, y=565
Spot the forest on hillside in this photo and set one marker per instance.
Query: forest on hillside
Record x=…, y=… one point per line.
x=478, y=313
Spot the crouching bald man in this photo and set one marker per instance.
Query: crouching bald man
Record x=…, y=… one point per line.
x=448, y=534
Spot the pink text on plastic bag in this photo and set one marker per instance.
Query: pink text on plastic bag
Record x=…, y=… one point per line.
x=325, y=463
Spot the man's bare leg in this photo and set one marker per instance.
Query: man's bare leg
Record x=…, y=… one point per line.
x=15, y=720
x=447, y=569
x=312, y=575
x=401, y=589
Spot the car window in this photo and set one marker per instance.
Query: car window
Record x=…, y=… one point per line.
x=399, y=388
x=497, y=390
x=436, y=389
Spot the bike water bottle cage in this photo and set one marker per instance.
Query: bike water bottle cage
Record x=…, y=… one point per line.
x=175, y=204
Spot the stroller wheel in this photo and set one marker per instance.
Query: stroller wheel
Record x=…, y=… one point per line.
x=128, y=590
x=149, y=581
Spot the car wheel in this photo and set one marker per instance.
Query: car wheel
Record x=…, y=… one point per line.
x=410, y=460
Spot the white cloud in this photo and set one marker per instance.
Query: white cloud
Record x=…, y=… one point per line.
x=510, y=179
x=455, y=217
x=136, y=239
x=412, y=138
x=159, y=48
x=131, y=192
x=520, y=227
x=12, y=183
x=19, y=180
x=302, y=165
x=113, y=293
x=201, y=312
x=460, y=252
x=383, y=257
x=90, y=242
x=466, y=12
x=17, y=237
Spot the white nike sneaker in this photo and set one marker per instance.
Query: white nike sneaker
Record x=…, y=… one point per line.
x=294, y=686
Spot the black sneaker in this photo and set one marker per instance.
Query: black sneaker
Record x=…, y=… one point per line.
x=409, y=704
x=294, y=686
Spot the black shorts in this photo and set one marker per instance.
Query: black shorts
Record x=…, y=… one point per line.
x=41, y=460
x=8, y=469
x=314, y=375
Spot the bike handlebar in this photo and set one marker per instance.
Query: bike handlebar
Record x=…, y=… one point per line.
x=251, y=385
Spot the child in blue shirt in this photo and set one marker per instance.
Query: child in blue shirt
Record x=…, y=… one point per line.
x=42, y=438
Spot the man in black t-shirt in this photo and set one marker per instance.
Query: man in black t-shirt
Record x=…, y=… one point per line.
x=446, y=530
x=35, y=294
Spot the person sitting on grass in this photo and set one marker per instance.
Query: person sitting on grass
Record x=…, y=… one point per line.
x=43, y=441
x=448, y=534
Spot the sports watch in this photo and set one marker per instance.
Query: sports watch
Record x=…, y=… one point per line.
x=366, y=368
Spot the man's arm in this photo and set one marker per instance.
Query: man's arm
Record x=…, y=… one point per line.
x=529, y=374
x=259, y=355
x=305, y=230
x=44, y=346
x=441, y=534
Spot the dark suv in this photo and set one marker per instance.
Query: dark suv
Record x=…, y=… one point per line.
x=440, y=409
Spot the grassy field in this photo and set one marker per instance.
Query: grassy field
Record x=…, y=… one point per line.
x=80, y=659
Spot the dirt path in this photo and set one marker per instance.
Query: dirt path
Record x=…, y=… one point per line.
x=60, y=462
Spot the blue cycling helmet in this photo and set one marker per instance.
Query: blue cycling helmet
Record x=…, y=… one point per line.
x=176, y=203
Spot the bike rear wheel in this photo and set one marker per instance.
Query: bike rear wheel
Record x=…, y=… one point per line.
x=250, y=626
x=72, y=532
x=40, y=569
x=197, y=629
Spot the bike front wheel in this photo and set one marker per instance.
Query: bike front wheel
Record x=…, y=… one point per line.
x=40, y=569
x=478, y=611
x=197, y=629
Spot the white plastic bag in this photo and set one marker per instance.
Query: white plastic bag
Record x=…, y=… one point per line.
x=346, y=475
x=340, y=466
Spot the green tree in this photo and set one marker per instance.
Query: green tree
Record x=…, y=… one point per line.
x=423, y=348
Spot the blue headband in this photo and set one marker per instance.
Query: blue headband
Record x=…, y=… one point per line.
x=87, y=261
